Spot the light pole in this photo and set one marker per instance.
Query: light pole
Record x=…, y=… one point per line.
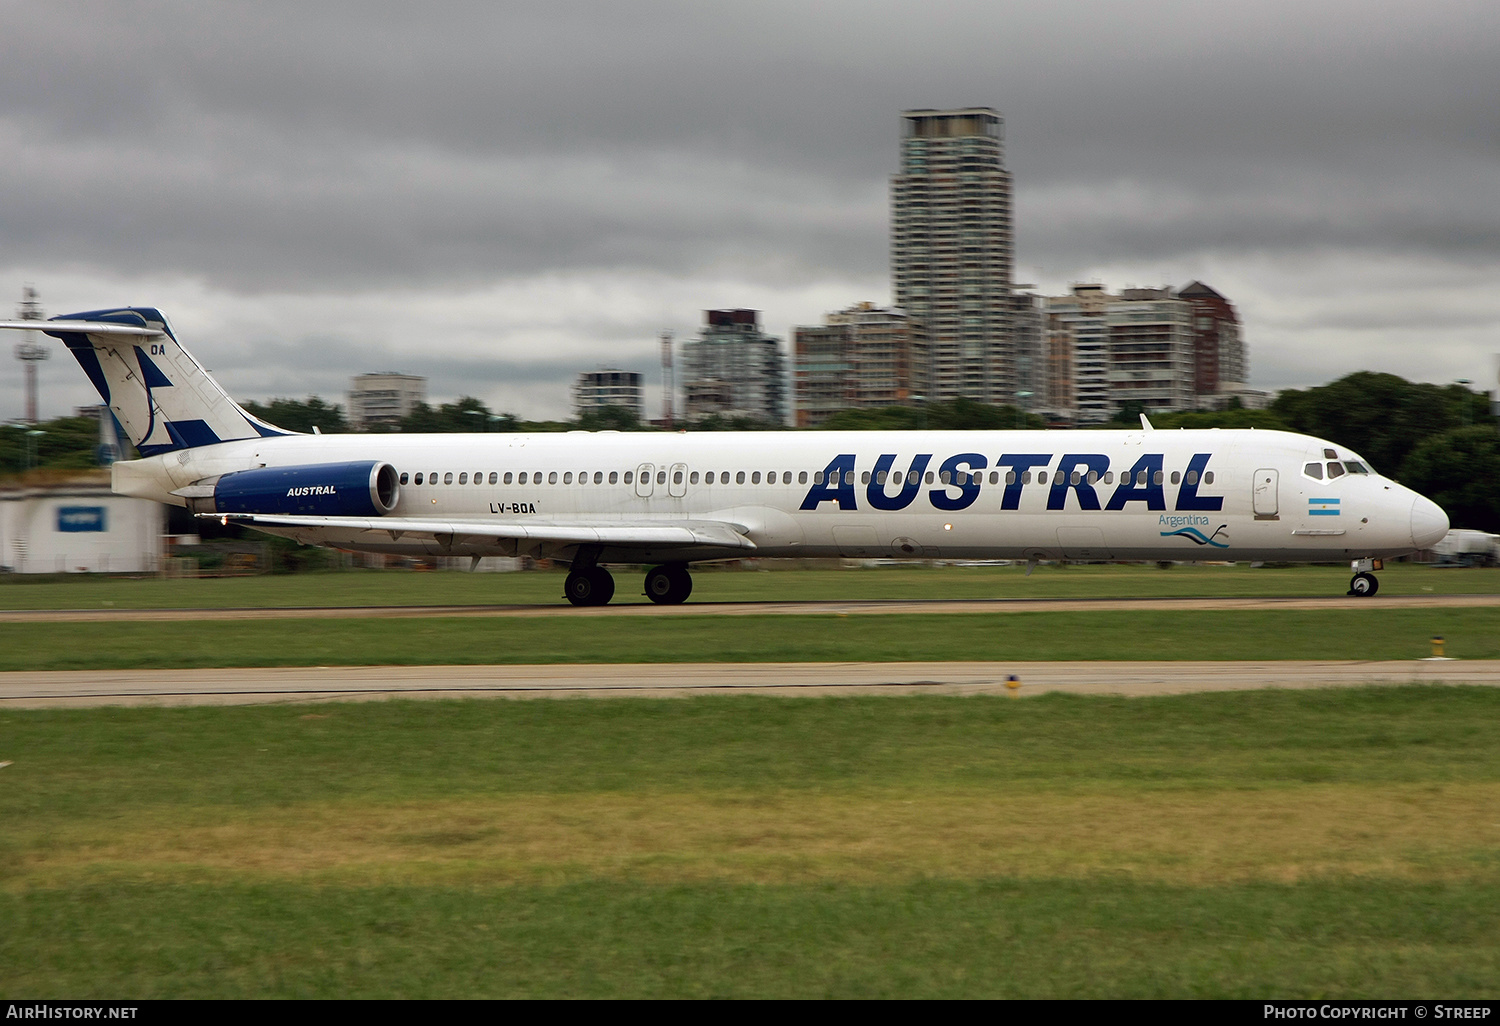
x=31, y=437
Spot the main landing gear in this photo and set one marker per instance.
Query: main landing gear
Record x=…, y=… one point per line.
x=591, y=585
x=1363, y=583
x=669, y=585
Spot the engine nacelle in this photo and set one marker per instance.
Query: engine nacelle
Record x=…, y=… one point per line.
x=365, y=489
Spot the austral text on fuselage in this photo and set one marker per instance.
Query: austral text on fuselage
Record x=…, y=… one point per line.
x=1078, y=473
x=297, y=493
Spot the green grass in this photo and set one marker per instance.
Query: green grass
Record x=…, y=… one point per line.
x=1300, y=843
x=931, y=939
x=916, y=582
x=1364, y=633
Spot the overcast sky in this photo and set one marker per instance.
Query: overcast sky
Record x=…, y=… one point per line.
x=499, y=195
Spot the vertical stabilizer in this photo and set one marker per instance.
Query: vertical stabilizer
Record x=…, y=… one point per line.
x=162, y=397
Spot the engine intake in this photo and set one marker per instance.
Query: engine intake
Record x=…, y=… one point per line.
x=364, y=489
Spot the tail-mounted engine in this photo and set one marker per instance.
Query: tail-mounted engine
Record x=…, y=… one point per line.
x=365, y=489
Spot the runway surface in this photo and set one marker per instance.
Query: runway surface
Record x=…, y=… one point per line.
x=293, y=685
x=839, y=608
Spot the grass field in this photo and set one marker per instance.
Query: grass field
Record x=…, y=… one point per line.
x=1326, y=843
x=385, y=588
x=1366, y=633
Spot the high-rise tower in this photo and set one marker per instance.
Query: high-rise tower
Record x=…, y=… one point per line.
x=952, y=254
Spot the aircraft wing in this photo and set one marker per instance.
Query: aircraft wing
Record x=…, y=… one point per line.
x=714, y=534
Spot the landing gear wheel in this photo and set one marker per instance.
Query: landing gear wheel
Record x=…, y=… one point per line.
x=1364, y=585
x=669, y=585
x=591, y=587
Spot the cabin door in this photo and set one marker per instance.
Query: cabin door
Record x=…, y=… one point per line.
x=1265, y=495
x=643, y=479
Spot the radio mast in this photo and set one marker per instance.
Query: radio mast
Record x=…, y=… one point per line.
x=30, y=352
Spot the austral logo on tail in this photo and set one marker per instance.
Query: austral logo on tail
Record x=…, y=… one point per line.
x=1188, y=527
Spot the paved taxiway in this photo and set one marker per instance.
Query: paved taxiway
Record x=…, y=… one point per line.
x=290, y=685
x=872, y=607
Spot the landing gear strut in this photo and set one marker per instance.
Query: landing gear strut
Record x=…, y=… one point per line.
x=1364, y=583
x=669, y=585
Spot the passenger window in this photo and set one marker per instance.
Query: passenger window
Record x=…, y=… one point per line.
x=403, y=478
x=1010, y=477
x=598, y=477
x=771, y=477
x=1156, y=478
x=1109, y=477
x=802, y=478
x=864, y=478
x=817, y=477
x=1334, y=470
x=1026, y=477
x=419, y=479
x=1176, y=477
x=739, y=478
x=661, y=477
x=880, y=477
x=1314, y=471
x=708, y=478
x=1192, y=475
x=994, y=477
x=629, y=476
x=1041, y=477
x=463, y=478
x=432, y=478
x=693, y=477
x=1208, y=478
x=448, y=477
x=479, y=477
x=755, y=478
x=552, y=477
x=507, y=477
x=494, y=477
x=677, y=477
x=1093, y=477
x=1075, y=478
x=523, y=477
x=786, y=477
x=1140, y=478
x=849, y=477
x=567, y=477
x=944, y=477
x=614, y=477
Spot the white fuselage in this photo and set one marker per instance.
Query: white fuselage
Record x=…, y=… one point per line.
x=1125, y=495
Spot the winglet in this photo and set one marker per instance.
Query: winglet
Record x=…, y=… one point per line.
x=1146, y=424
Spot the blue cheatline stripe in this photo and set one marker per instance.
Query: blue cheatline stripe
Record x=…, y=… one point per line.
x=1322, y=512
x=1332, y=502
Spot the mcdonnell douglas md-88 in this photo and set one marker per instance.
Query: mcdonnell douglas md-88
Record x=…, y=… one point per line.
x=590, y=499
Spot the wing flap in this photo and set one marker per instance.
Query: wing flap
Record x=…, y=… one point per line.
x=712, y=533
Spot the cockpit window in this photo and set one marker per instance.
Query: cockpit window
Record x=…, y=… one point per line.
x=1314, y=471
x=1335, y=470
x=1355, y=467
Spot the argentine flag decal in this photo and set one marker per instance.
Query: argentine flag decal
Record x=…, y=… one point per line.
x=1323, y=507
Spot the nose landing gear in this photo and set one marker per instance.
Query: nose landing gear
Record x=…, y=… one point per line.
x=1364, y=584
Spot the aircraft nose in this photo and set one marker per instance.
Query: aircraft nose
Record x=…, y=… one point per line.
x=1428, y=523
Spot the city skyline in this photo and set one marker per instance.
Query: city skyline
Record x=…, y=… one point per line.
x=499, y=207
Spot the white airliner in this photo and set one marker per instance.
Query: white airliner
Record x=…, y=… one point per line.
x=596, y=498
